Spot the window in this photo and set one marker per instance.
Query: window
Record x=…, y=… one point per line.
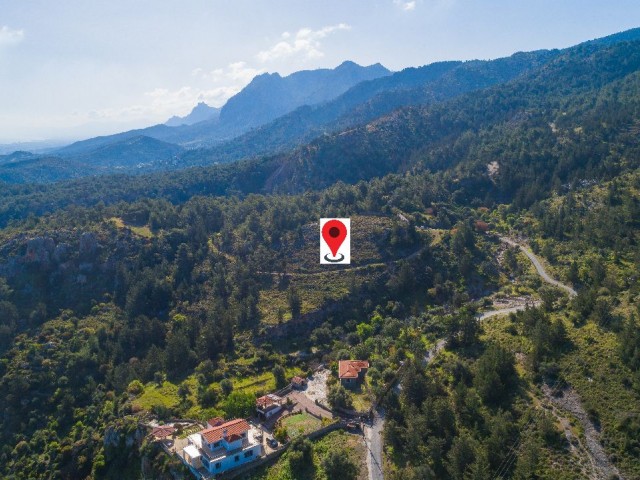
x=248, y=453
x=218, y=465
x=237, y=458
x=217, y=444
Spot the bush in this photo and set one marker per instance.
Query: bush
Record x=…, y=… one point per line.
x=135, y=387
x=239, y=405
x=227, y=386
x=209, y=397
x=301, y=454
x=338, y=465
x=338, y=397
x=281, y=434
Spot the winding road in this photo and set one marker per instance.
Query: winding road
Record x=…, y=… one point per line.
x=536, y=263
x=373, y=433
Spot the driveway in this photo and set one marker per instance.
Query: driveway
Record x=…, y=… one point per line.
x=302, y=401
x=373, y=442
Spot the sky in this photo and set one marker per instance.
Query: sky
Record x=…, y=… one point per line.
x=71, y=69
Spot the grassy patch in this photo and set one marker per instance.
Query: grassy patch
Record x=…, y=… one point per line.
x=261, y=383
x=317, y=288
x=154, y=395
x=300, y=424
x=142, y=231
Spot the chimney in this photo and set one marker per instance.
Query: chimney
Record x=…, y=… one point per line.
x=224, y=433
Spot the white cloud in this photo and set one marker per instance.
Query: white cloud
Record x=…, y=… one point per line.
x=306, y=42
x=406, y=6
x=163, y=102
x=10, y=36
x=241, y=72
x=238, y=72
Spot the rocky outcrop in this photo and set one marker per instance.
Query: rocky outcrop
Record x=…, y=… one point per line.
x=88, y=245
x=116, y=436
x=61, y=252
x=39, y=251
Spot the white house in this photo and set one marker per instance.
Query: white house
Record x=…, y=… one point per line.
x=268, y=405
x=222, y=447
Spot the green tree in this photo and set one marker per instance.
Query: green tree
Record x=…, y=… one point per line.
x=495, y=374
x=239, y=405
x=208, y=396
x=279, y=376
x=295, y=303
x=528, y=458
x=461, y=455
x=337, y=464
x=226, y=386
x=339, y=397
x=184, y=391
x=300, y=454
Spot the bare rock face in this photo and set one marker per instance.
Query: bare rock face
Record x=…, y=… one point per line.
x=61, y=252
x=39, y=251
x=117, y=436
x=88, y=245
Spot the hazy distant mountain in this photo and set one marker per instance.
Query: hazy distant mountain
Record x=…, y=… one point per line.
x=230, y=137
x=200, y=113
x=130, y=153
x=42, y=146
x=269, y=96
x=369, y=100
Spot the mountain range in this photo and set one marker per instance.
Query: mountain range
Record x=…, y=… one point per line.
x=448, y=119
x=274, y=115
x=200, y=113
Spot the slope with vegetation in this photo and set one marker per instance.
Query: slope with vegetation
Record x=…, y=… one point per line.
x=190, y=293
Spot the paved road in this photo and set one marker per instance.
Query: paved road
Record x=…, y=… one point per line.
x=373, y=442
x=541, y=271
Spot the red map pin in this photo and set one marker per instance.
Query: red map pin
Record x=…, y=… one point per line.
x=334, y=232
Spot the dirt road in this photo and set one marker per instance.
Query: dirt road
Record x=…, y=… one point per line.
x=538, y=265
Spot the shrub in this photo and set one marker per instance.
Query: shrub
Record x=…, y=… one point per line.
x=338, y=397
x=338, y=465
x=301, y=454
x=280, y=434
x=226, y=386
x=135, y=387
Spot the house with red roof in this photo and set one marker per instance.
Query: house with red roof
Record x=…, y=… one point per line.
x=222, y=446
x=352, y=372
x=298, y=382
x=268, y=405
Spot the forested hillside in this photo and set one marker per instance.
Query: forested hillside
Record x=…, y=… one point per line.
x=187, y=294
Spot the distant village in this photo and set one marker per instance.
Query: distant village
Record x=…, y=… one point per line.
x=223, y=448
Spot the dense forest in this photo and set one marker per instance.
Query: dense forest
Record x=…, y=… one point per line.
x=167, y=294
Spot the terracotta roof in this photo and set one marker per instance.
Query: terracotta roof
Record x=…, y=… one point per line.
x=298, y=380
x=215, y=422
x=268, y=401
x=351, y=368
x=163, y=431
x=233, y=429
